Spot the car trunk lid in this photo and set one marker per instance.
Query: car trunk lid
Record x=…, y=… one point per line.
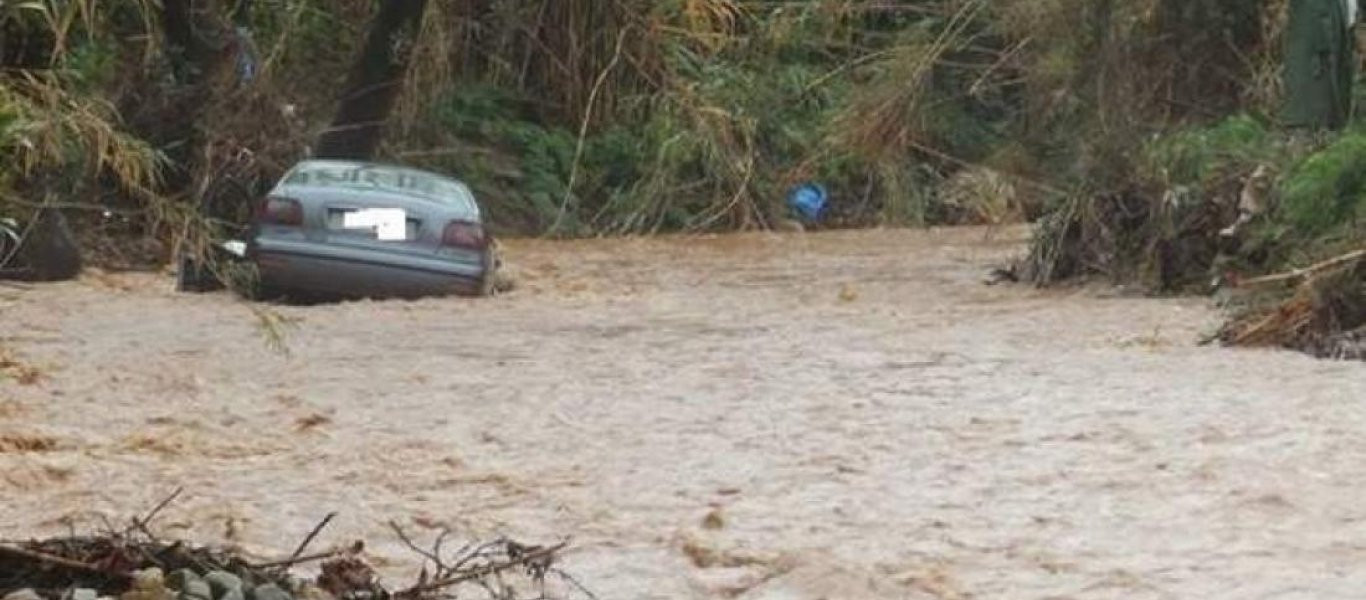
x=381, y=222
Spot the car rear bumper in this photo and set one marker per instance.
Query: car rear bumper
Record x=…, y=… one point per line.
x=352, y=272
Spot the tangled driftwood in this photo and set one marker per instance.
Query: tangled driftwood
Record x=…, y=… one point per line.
x=1319, y=309
x=133, y=564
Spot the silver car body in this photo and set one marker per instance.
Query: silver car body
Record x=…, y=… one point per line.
x=329, y=253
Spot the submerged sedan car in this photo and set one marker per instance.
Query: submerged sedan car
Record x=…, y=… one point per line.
x=356, y=229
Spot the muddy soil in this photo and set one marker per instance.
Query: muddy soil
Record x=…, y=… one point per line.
x=843, y=415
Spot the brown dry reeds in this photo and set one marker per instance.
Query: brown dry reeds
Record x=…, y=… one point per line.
x=555, y=51
x=888, y=121
x=52, y=122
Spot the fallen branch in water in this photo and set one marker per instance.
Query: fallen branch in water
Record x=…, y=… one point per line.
x=309, y=538
x=107, y=564
x=536, y=561
x=1295, y=275
x=141, y=524
x=302, y=559
x=52, y=559
x=1322, y=312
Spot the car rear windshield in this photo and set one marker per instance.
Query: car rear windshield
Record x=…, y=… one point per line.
x=394, y=180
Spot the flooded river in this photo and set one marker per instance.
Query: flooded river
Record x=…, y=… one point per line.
x=844, y=416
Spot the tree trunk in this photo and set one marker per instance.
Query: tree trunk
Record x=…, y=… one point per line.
x=199, y=42
x=195, y=38
x=47, y=251
x=241, y=13
x=376, y=79
x=1319, y=64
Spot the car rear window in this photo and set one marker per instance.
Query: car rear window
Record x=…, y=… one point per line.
x=394, y=180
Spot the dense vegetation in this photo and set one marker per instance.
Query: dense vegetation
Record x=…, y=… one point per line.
x=1129, y=126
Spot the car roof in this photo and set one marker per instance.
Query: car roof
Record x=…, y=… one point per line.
x=384, y=178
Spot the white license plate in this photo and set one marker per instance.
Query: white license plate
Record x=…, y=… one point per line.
x=388, y=224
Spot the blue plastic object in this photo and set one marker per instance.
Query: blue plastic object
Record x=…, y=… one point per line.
x=246, y=55
x=808, y=201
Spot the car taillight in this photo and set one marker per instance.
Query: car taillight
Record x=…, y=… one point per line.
x=281, y=211
x=463, y=234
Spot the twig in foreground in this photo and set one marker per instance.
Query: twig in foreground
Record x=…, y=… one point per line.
x=435, y=557
x=143, y=523
x=60, y=561
x=484, y=571
x=298, y=560
x=312, y=534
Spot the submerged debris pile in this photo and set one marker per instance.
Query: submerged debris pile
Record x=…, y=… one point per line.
x=118, y=566
x=1320, y=309
x=133, y=565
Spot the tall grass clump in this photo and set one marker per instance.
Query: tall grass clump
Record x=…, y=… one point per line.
x=1327, y=190
x=1158, y=168
x=702, y=114
x=58, y=133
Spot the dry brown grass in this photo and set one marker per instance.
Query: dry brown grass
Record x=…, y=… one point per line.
x=67, y=19
x=54, y=121
x=1265, y=89
x=982, y=196
x=888, y=121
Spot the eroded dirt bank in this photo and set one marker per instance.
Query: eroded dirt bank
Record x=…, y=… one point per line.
x=854, y=410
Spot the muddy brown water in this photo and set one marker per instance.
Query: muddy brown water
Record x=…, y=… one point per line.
x=843, y=415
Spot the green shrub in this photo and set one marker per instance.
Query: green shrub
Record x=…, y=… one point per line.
x=1197, y=155
x=1326, y=191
